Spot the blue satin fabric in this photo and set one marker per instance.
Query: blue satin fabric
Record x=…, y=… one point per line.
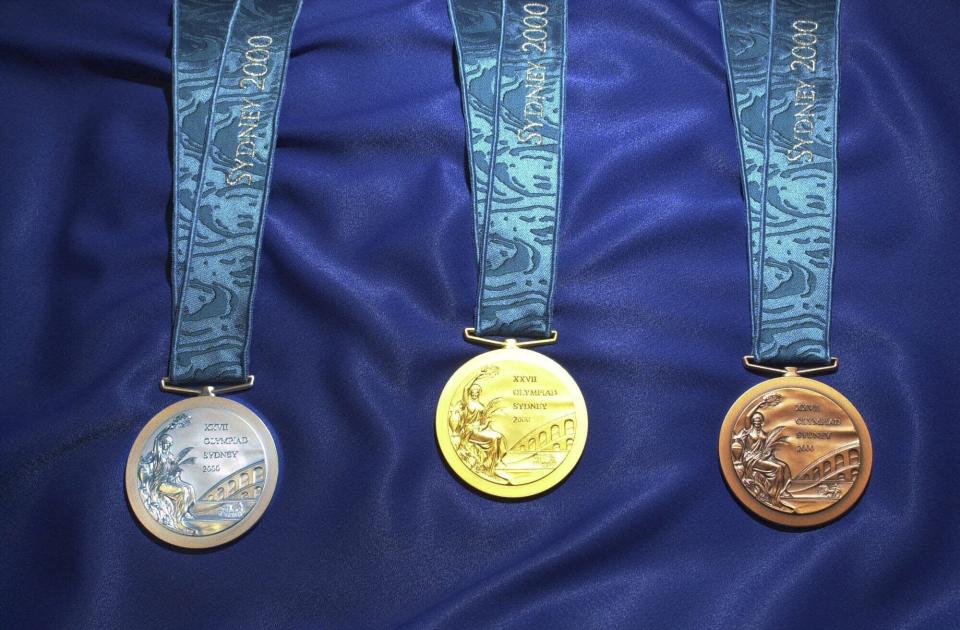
x=512, y=56
x=365, y=283
x=782, y=67
x=230, y=59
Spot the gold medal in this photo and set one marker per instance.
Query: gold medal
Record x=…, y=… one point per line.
x=795, y=451
x=511, y=422
x=201, y=472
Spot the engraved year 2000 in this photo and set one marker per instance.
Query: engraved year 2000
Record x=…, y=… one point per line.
x=255, y=68
x=804, y=51
x=535, y=27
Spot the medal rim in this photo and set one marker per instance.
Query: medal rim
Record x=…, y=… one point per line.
x=233, y=532
x=548, y=481
x=812, y=519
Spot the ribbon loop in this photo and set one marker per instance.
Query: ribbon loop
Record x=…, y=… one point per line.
x=230, y=60
x=512, y=58
x=783, y=70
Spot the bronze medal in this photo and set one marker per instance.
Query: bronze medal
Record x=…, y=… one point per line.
x=795, y=451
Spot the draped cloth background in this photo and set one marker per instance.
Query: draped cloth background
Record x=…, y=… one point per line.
x=367, y=281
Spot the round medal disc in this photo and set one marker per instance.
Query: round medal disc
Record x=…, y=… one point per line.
x=795, y=452
x=201, y=472
x=511, y=423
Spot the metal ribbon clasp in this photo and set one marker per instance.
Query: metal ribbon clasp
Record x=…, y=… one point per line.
x=206, y=390
x=470, y=334
x=751, y=364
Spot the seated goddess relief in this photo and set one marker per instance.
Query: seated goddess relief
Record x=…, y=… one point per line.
x=167, y=497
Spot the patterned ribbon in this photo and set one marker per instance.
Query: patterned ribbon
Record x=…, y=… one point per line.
x=512, y=56
x=782, y=66
x=230, y=61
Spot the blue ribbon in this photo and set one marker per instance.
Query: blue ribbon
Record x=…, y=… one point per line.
x=230, y=60
x=512, y=62
x=782, y=65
